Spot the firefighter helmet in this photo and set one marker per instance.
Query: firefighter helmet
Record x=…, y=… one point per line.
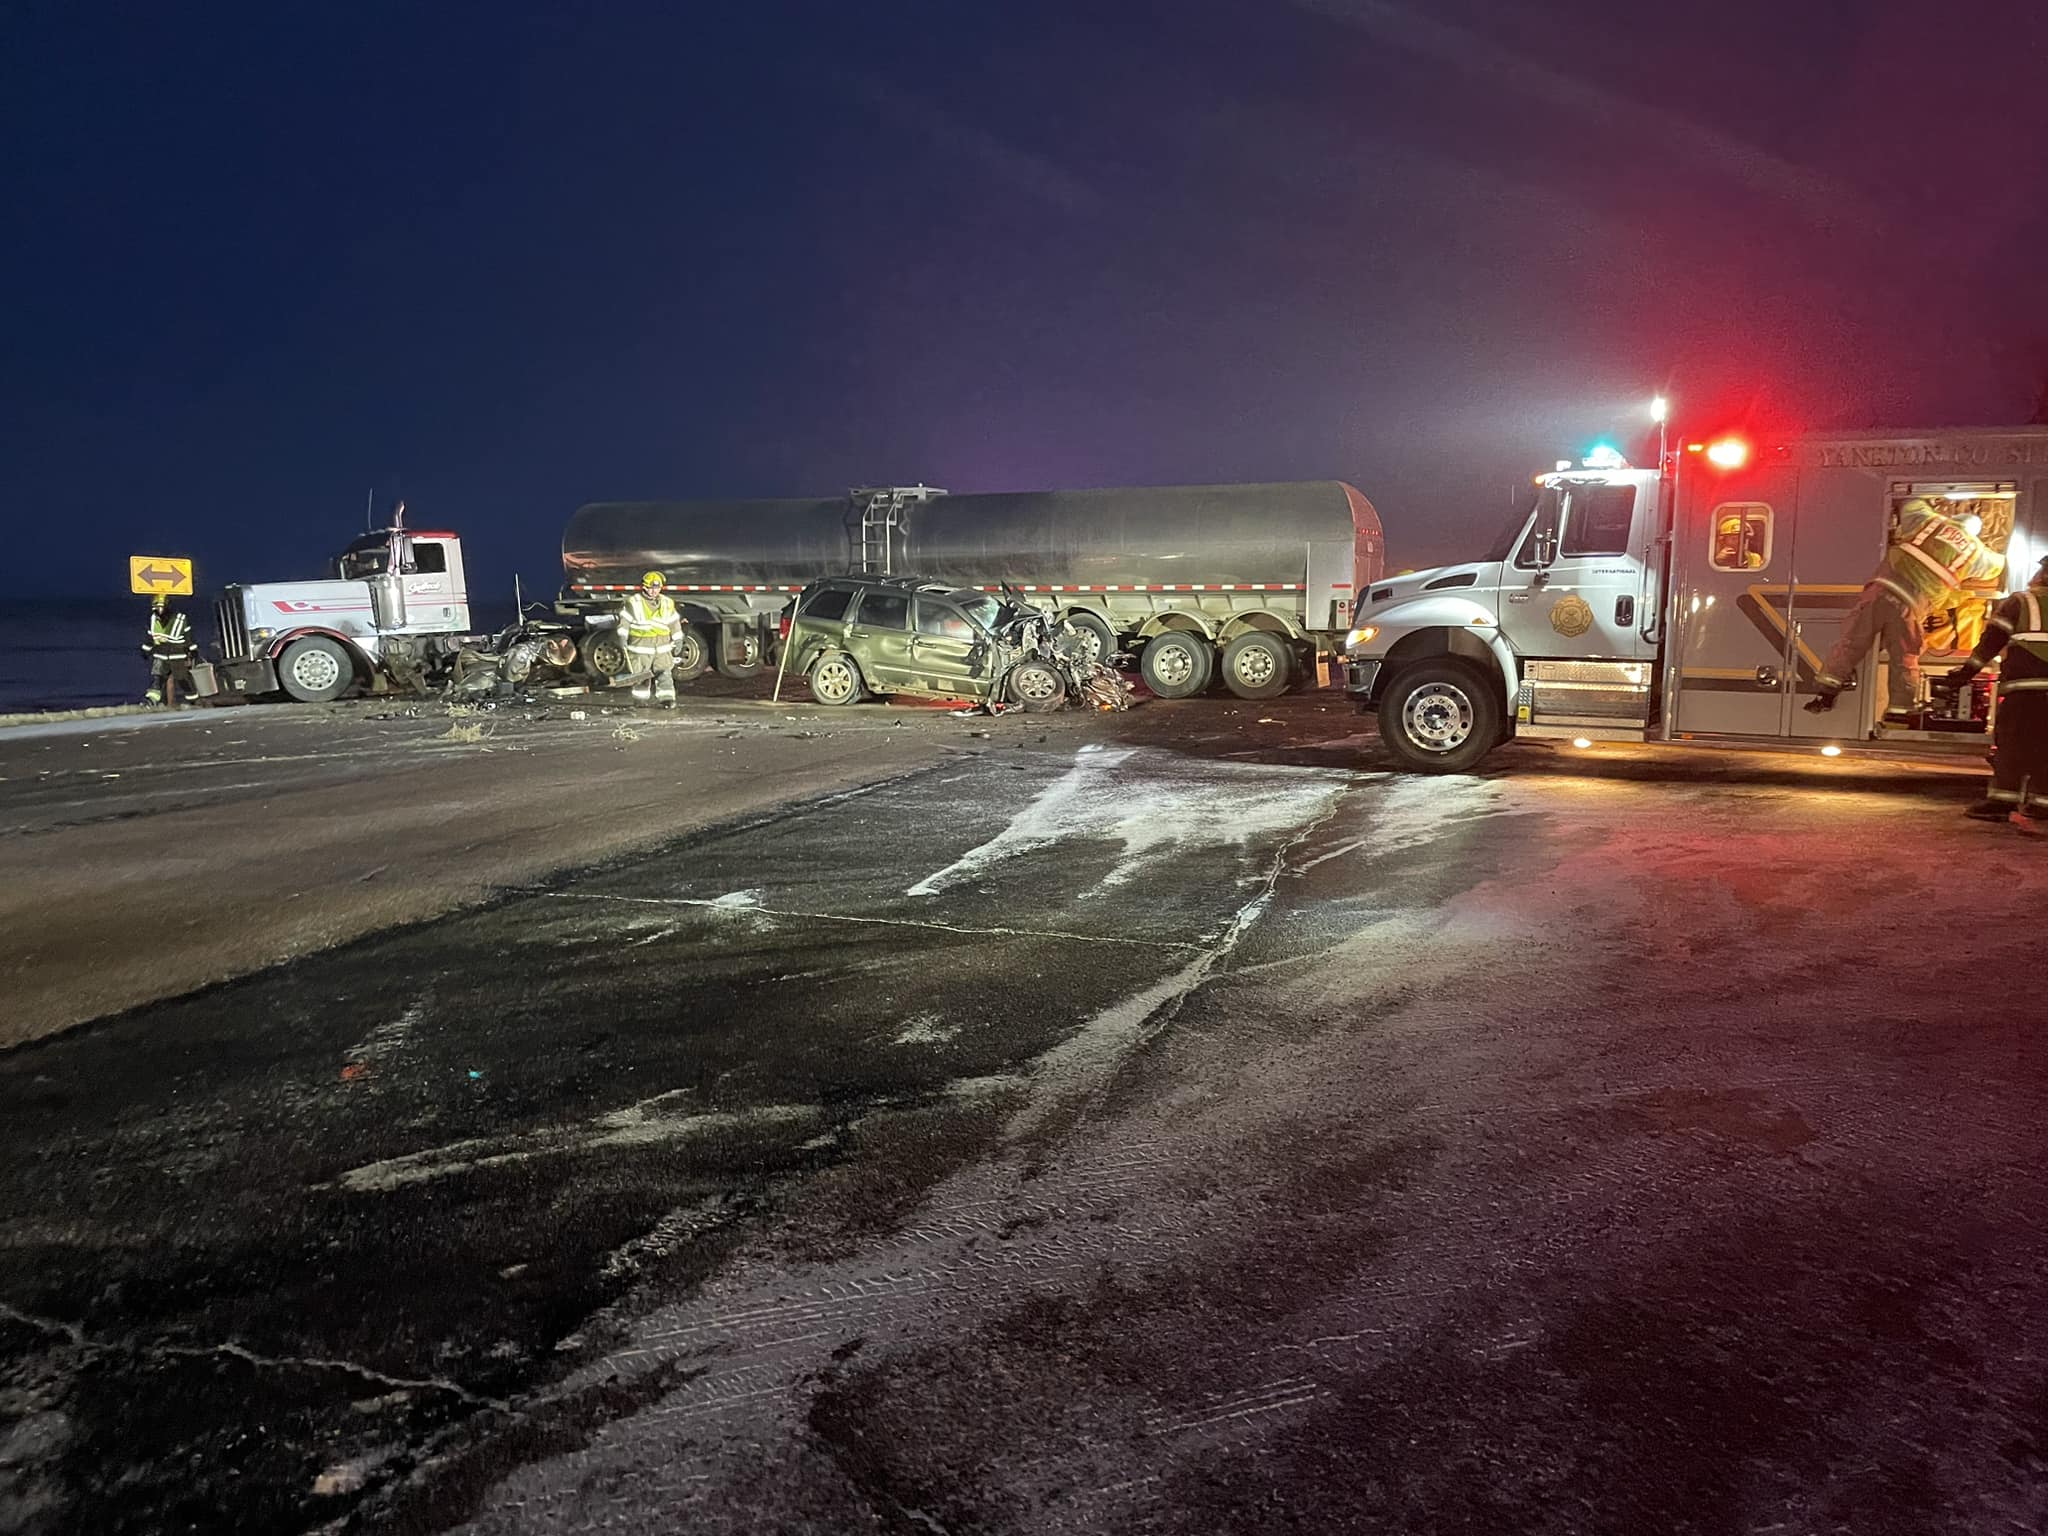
x=655, y=580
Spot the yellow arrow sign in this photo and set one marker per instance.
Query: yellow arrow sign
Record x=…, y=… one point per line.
x=160, y=575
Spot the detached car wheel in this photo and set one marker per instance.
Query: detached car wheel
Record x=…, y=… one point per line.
x=315, y=670
x=1441, y=716
x=1177, y=664
x=835, y=679
x=1256, y=666
x=1036, y=686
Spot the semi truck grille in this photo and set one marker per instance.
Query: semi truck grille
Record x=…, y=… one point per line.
x=231, y=633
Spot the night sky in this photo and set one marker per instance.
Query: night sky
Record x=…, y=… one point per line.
x=506, y=259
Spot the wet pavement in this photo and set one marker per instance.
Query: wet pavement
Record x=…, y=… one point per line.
x=1178, y=1125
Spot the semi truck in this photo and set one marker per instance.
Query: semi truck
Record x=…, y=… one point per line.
x=1253, y=582
x=1693, y=603
x=1249, y=584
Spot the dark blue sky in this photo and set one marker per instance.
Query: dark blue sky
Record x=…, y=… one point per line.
x=510, y=258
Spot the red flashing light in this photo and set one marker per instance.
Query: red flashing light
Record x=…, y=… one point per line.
x=1728, y=453
x=782, y=624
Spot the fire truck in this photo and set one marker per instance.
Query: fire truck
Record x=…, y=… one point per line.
x=1694, y=602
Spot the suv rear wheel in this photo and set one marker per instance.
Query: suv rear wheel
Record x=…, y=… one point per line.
x=1440, y=716
x=835, y=679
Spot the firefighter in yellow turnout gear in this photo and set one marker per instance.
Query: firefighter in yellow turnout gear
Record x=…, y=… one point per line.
x=2016, y=633
x=170, y=651
x=1930, y=556
x=651, y=629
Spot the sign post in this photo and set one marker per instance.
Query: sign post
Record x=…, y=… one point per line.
x=159, y=576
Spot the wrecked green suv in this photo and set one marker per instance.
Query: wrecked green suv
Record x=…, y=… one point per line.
x=856, y=636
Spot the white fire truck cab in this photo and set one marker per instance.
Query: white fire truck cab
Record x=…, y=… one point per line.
x=1694, y=602
x=398, y=605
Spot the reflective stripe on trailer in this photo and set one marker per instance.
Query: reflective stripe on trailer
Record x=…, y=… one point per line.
x=1241, y=586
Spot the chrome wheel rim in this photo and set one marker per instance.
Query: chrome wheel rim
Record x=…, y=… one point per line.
x=315, y=670
x=1255, y=666
x=1174, y=664
x=1438, y=717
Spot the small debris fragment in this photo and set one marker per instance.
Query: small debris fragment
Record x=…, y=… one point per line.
x=355, y=1072
x=1266, y=720
x=346, y=1477
x=475, y=1076
x=579, y=714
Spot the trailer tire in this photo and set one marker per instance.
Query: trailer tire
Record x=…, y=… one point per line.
x=604, y=654
x=693, y=655
x=315, y=670
x=1177, y=664
x=835, y=679
x=1256, y=665
x=1035, y=687
x=1097, y=643
x=1440, y=716
x=748, y=663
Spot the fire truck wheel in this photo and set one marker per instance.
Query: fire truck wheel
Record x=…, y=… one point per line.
x=835, y=679
x=738, y=653
x=604, y=654
x=693, y=655
x=1036, y=686
x=1256, y=665
x=1440, y=716
x=1176, y=664
x=1097, y=643
x=315, y=669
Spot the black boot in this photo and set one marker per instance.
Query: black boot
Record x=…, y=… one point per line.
x=1821, y=702
x=1989, y=810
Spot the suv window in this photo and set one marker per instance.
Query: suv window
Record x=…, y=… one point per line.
x=829, y=603
x=885, y=610
x=1599, y=520
x=937, y=618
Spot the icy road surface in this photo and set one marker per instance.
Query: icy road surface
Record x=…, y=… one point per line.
x=1084, y=1138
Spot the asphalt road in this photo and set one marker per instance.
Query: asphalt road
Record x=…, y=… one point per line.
x=1169, y=1123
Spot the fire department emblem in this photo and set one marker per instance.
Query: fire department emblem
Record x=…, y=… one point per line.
x=1571, y=616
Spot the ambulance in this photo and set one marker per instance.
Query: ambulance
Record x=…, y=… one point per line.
x=1693, y=603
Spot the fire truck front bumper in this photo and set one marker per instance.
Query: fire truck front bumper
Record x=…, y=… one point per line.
x=1359, y=677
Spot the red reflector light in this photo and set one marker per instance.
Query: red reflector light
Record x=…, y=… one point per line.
x=1728, y=453
x=782, y=624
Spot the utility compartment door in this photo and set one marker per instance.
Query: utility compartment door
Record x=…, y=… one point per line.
x=1587, y=606
x=1732, y=572
x=1842, y=532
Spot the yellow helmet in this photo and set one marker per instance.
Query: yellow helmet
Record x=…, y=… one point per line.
x=1732, y=524
x=654, y=579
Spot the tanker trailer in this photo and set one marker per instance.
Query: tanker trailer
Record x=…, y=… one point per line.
x=1250, y=582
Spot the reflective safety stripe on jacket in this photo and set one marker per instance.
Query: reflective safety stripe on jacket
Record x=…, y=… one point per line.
x=646, y=625
x=1933, y=555
x=2016, y=632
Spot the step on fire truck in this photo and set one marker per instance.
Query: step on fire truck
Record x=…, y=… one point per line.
x=1694, y=603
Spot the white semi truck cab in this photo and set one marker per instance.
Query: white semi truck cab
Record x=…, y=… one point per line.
x=1695, y=602
x=397, y=606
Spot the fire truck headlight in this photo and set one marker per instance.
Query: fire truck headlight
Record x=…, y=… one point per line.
x=1365, y=634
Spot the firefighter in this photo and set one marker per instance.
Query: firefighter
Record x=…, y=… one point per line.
x=170, y=651
x=2017, y=631
x=1930, y=556
x=1732, y=549
x=651, y=629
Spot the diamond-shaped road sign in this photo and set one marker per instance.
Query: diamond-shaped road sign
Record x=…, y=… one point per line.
x=160, y=576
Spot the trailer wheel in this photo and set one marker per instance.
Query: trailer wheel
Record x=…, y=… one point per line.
x=1097, y=643
x=604, y=654
x=1256, y=666
x=835, y=679
x=315, y=669
x=692, y=654
x=1440, y=716
x=1176, y=664
x=738, y=653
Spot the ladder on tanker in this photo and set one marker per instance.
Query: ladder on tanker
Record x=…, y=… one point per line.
x=880, y=513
